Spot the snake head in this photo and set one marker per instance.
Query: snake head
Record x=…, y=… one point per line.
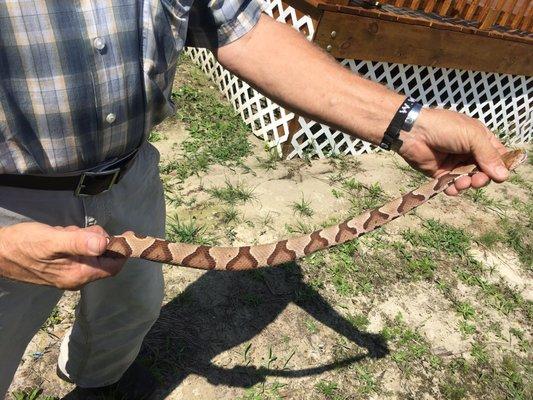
x=514, y=158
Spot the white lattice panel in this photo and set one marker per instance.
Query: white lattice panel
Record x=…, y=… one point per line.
x=503, y=102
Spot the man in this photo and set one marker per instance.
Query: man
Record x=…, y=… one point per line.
x=82, y=83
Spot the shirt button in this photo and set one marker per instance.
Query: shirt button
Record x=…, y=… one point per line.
x=110, y=118
x=99, y=43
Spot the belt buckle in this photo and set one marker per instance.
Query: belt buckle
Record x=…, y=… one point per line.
x=114, y=173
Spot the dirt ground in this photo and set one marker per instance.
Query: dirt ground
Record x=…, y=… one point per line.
x=435, y=306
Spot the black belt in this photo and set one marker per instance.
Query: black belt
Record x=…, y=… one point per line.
x=87, y=183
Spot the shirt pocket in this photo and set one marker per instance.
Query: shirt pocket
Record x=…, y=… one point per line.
x=164, y=30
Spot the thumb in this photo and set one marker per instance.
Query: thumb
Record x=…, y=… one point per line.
x=81, y=243
x=489, y=160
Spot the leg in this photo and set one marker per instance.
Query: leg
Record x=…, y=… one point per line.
x=115, y=314
x=24, y=307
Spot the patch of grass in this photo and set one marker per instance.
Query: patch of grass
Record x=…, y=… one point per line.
x=520, y=239
x=375, y=191
x=32, y=394
x=188, y=232
x=518, y=180
x=479, y=353
x=229, y=215
x=410, y=346
x=467, y=328
x=343, y=163
x=156, y=136
x=264, y=391
x=490, y=238
x=453, y=389
x=416, y=178
x=505, y=378
x=370, y=198
x=422, y=268
x=303, y=208
x=232, y=193
x=440, y=237
x=360, y=321
x=327, y=388
x=217, y=135
x=299, y=228
x=367, y=383
x=497, y=295
x=481, y=197
x=311, y=325
x=271, y=161
x=465, y=310
x=53, y=319
x=352, y=185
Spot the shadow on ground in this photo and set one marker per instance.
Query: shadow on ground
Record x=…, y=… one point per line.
x=221, y=310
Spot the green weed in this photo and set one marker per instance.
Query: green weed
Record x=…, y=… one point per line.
x=453, y=390
x=327, y=388
x=299, y=228
x=53, y=319
x=229, y=215
x=271, y=161
x=188, y=232
x=410, y=346
x=311, y=325
x=32, y=394
x=479, y=353
x=217, y=134
x=465, y=310
x=303, y=208
x=441, y=237
x=232, y=193
x=467, y=328
x=490, y=238
x=360, y=321
x=481, y=197
x=156, y=136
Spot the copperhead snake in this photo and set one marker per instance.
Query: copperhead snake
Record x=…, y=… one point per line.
x=283, y=251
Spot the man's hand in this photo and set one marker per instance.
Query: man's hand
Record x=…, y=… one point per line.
x=66, y=258
x=282, y=64
x=442, y=140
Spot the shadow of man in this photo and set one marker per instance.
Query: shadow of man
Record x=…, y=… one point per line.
x=222, y=310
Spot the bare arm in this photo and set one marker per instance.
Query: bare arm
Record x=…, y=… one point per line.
x=283, y=65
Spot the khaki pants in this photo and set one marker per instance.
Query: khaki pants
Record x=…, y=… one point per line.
x=114, y=314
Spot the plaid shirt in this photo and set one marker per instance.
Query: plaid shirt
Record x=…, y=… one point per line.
x=84, y=81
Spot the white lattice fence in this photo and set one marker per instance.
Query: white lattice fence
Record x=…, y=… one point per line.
x=503, y=102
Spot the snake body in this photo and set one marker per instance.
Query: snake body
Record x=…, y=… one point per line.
x=283, y=251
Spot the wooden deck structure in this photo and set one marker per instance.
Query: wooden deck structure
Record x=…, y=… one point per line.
x=480, y=35
x=473, y=56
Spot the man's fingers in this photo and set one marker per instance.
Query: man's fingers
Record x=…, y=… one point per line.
x=69, y=228
x=96, y=229
x=103, y=267
x=489, y=160
x=463, y=183
x=451, y=191
x=480, y=180
x=80, y=243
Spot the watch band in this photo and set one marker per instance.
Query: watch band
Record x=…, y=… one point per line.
x=412, y=116
x=404, y=119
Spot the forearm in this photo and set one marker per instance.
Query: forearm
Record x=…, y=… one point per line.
x=283, y=65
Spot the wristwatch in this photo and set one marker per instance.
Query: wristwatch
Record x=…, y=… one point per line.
x=403, y=120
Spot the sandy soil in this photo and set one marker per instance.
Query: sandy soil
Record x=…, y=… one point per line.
x=221, y=333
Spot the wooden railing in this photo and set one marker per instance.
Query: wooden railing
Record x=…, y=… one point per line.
x=512, y=14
